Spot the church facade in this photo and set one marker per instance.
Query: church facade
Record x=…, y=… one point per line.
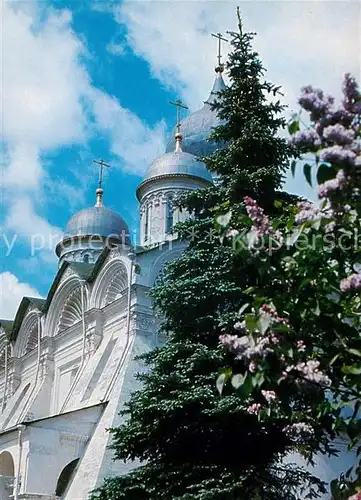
x=67, y=362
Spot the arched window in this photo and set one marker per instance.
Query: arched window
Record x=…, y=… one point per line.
x=65, y=478
x=169, y=216
x=6, y=464
x=86, y=258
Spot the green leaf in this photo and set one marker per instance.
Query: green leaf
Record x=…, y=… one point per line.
x=238, y=380
x=224, y=219
x=251, y=322
x=294, y=127
x=316, y=311
x=247, y=386
x=221, y=380
x=325, y=173
x=352, y=370
x=334, y=359
x=356, y=352
x=293, y=167
x=307, y=172
x=278, y=204
x=258, y=379
x=263, y=323
x=243, y=308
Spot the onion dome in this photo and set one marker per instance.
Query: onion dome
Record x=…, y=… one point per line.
x=176, y=164
x=197, y=127
x=98, y=221
x=90, y=230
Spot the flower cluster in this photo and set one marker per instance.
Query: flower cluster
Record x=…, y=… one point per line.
x=352, y=96
x=351, y=283
x=254, y=409
x=300, y=346
x=307, y=212
x=308, y=140
x=266, y=309
x=357, y=496
x=248, y=348
x=299, y=430
x=314, y=101
x=332, y=185
x=269, y=396
x=234, y=343
x=261, y=224
x=310, y=371
x=337, y=155
x=339, y=134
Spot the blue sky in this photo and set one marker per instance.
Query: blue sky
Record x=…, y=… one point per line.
x=83, y=80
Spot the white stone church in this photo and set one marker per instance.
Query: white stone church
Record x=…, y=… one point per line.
x=67, y=362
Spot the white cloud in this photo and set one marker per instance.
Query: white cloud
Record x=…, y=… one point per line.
x=12, y=290
x=49, y=103
x=131, y=140
x=40, y=236
x=299, y=42
x=43, y=81
x=116, y=49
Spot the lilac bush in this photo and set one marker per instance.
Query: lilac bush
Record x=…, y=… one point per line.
x=298, y=335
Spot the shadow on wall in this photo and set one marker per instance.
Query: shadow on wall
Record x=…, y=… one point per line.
x=65, y=478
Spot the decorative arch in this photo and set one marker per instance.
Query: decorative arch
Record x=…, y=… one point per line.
x=66, y=307
x=7, y=467
x=111, y=283
x=3, y=343
x=65, y=477
x=71, y=312
x=27, y=338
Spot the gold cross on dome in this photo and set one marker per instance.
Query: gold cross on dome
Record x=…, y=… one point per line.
x=101, y=164
x=178, y=103
x=220, y=39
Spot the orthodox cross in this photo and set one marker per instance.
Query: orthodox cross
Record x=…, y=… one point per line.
x=220, y=39
x=102, y=164
x=178, y=103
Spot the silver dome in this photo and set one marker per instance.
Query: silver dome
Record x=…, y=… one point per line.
x=96, y=220
x=197, y=127
x=177, y=163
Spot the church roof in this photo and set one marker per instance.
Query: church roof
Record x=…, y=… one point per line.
x=197, y=127
x=97, y=220
x=23, y=307
x=177, y=163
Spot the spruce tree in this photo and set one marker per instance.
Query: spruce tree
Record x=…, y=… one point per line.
x=194, y=443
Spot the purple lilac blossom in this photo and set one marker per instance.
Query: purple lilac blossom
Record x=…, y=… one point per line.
x=338, y=155
x=332, y=185
x=352, y=96
x=307, y=212
x=254, y=409
x=339, y=134
x=269, y=396
x=261, y=224
x=310, y=371
x=351, y=283
x=309, y=140
x=299, y=430
x=314, y=101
